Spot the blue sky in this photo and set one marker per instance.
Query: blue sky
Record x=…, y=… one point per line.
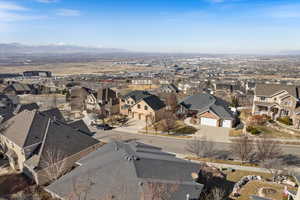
x=212, y=26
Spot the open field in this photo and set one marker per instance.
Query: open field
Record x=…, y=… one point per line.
x=77, y=68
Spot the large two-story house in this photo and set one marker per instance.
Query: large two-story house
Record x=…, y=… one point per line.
x=36, y=141
x=277, y=101
x=141, y=105
x=207, y=110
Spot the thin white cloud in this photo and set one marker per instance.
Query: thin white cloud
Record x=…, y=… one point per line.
x=47, y=1
x=11, y=12
x=68, y=12
x=4, y=5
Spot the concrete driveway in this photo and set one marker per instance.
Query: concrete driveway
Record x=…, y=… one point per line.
x=217, y=134
x=132, y=126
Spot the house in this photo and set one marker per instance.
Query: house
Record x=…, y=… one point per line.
x=141, y=105
x=277, y=101
x=129, y=171
x=207, y=110
x=109, y=99
x=37, y=74
x=82, y=98
x=169, y=88
x=19, y=89
x=36, y=142
x=6, y=105
x=141, y=82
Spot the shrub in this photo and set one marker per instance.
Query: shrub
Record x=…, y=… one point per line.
x=258, y=119
x=285, y=120
x=185, y=130
x=253, y=130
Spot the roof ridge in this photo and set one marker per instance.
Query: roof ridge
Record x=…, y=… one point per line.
x=30, y=128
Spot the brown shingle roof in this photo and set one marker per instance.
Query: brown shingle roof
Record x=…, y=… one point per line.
x=26, y=128
x=269, y=90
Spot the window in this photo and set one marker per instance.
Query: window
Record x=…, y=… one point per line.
x=262, y=98
x=139, y=106
x=146, y=107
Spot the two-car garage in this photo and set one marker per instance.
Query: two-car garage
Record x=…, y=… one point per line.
x=215, y=122
x=208, y=121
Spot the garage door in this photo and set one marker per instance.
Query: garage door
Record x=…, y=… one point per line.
x=208, y=121
x=226, y=124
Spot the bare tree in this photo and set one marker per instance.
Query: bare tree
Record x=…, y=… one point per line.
x=274, y=166
x=243, y=148
x=267, y=149
x=219, y=193
x=215, y=193
x=171, y=101
x=55, y=163
x=169, y=121
x=101, y=113
x=201, y=147
x=154, y=124
x=158, y=191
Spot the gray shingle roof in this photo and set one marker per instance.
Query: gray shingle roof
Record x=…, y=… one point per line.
x=29, y=106
x=137, y=95
x=81, y=126
x=26, y=128
x=205, y=102
x=124, y=170
x=269, y=90
x=154, y=102
x=54, y=114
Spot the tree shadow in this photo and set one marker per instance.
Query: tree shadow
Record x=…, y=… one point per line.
x=290, y=159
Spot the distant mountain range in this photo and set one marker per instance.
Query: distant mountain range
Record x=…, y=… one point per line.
x=17, y=48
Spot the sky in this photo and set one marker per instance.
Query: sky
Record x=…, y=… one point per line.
x=200, y=26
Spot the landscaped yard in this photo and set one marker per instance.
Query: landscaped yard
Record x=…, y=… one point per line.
x=181, y=129
x=253, y=187
x=237, y=175
x=273, y=133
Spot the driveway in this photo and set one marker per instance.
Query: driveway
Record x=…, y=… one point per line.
x=132, y=126
x=216, y=134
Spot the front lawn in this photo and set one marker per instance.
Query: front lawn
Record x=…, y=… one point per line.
x=180, y=128
x=274, y=133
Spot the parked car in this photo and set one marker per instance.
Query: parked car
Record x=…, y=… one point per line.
x=103, y=127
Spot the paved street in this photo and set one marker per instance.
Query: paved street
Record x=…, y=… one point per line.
x=178, y=145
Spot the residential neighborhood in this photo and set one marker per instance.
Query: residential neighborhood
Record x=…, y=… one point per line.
x=149, y=100
x=159, y=139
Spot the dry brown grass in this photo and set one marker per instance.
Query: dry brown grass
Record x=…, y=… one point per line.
x=253, y=187
x=239, y=174
x=143, y=87
x=99, y=67
x=236, y=133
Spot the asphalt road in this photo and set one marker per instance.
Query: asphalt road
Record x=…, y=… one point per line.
x=178, y=146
